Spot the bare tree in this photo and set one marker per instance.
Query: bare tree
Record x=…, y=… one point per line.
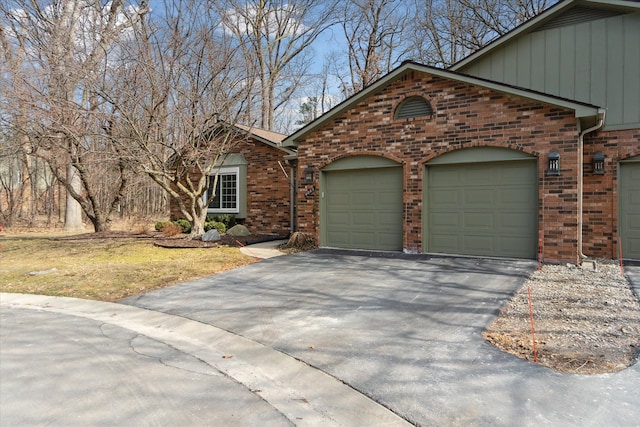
x=59, y=53
x=446, y=31
x=275, y=37
x=182, y=87
x=375, y=35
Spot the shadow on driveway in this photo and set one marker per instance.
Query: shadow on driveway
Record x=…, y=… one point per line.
x=406, y=332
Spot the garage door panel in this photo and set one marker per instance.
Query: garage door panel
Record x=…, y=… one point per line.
x=337, y=218
x=479, y=221
x=338, y=199
x=388, y=200
x=448, y=243
x=518, y=222
x=444, y=197
x=480, y=197
x=367, y=239
x=476, y=176
x=489, y=209
x=363, y=198
x=476, y=245
x=446, y=178
x=441, y=220
x=516, y=195
x=515, y=175
x=363, y=208
x=363, y=219
x=513, y=245
x=387, y=220
x=339, y=239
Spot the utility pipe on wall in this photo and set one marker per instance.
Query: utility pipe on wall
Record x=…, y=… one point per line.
x=601, y=117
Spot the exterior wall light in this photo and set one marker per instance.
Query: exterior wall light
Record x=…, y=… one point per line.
x=308, y=175
x=598, y=164
x=554, y=163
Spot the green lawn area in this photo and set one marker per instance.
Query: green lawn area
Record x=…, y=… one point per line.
x=105, y=269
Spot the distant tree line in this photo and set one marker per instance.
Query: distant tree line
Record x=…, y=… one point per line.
x=107, y=108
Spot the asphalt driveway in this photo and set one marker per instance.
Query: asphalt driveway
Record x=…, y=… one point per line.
x=405, y=332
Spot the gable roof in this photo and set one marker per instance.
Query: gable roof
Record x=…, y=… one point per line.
x=267, y=135
x=582, y=110
x=562, y=12
x=273, y=139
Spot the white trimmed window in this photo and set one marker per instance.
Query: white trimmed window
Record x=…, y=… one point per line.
x=226, y=195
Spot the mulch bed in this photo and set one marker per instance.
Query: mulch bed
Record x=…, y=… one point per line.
x=225, y=240
x=178, y=242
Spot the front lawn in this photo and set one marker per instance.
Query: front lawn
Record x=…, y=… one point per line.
x=105, y=268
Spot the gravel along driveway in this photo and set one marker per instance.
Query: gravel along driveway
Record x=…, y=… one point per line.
x=586, y=321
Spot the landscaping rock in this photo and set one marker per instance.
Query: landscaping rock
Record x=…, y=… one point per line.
x=238, y=230
x=211, y=236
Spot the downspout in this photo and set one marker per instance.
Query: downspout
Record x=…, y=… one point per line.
x=601, y=117
x=293, y=203
x=291, y=161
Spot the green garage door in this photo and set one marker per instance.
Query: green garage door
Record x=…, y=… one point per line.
x=629, y=202
x=486, y=209
x=362, y=209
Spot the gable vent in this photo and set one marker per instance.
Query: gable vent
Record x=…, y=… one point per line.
x=415, y=106
x=578, y=15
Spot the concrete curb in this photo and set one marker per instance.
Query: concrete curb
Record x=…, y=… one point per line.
x=303, y=394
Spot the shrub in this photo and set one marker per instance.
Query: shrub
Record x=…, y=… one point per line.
x=160, y=224
x=170, y=229
x=227, y=219
x=184, y=224
x=209, y=225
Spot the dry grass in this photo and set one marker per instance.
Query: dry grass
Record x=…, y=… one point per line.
x=106, y=269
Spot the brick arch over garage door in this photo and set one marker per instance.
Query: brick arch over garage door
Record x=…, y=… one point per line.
x=361, y=204
x=481, y=201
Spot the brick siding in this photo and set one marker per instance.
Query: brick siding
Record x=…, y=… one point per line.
x=268, y=190
x=469, y=116
x=600, y=195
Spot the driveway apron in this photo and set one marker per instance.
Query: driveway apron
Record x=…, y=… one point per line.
x=406, y=332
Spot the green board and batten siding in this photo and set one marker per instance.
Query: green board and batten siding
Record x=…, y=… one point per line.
x=593, y=57
x=629, y=208
x=361, y=204
x=481, y=202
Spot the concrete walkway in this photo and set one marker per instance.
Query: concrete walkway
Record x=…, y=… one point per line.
x=263, y=250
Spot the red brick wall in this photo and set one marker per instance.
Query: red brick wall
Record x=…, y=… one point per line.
x=268, y=190
x=464, y=116
x=600, y=219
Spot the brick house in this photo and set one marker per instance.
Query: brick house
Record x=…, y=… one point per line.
x=254, y=183
x=506, y=154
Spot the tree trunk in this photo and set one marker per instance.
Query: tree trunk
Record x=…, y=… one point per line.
x=73, y=212
x=199, y=217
